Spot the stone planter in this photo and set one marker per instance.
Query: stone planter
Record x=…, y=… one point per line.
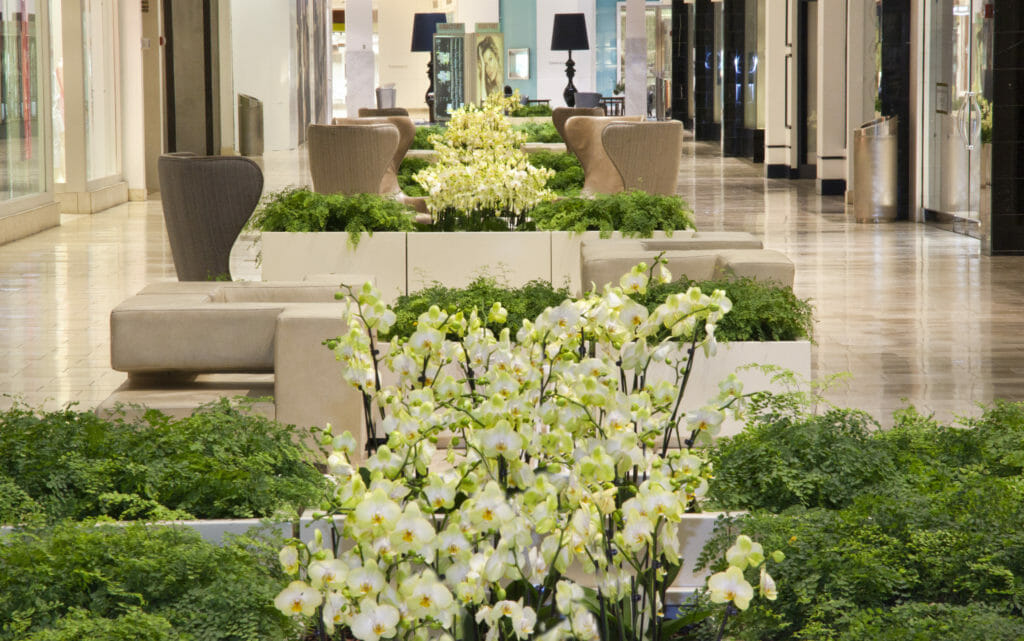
x=299, y=255
x=408, y=261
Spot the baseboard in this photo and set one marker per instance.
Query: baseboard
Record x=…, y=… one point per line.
x=777, y=171
x=832, y=186
x=91, y=202
x=25, y=223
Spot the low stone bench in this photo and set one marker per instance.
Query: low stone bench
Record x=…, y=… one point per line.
x=707, y=259
x=184, y=344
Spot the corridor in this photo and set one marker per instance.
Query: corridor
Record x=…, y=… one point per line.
x=914, y=314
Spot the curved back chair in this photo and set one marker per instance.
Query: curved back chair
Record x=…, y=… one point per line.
x=646, y=154
x=370, y=112
x=583, y=135
x=206, y=201
x=350, y=159
x=406, y=132
x=561, y=114
x=588, y=99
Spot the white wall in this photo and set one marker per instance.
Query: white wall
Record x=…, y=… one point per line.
x=407, y=70
x=551, y=79
x=470, y=12
x=779, y=69
x=264, y=65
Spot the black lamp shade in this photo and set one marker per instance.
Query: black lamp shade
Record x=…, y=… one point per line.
x=423, y=27
x=569, y=32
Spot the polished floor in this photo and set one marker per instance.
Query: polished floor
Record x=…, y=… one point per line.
x=914, y=314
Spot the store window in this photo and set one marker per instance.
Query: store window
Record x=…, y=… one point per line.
x=23, y=158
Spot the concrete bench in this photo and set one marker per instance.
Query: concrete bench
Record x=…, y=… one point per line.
x=184, y=344
x=705, y=259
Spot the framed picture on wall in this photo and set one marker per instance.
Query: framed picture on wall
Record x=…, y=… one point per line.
x=518, y=64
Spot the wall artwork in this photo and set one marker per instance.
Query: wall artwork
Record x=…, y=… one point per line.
x=490, y=67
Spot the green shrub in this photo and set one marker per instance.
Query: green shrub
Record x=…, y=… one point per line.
x=928, y=529
x=302, y=210
x=539, y=131
x=70, y=578
x=135, y=625
x=568, y=178
x=761, y=311
x=634, y=213
x=218, y=463
x=528, y=111
x=421, y=139
x=811, y=461
x=16, y=506
x=928, y=621
x=526, y=302
x=406, y=171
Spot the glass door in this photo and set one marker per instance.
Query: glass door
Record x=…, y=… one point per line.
x=958, y=93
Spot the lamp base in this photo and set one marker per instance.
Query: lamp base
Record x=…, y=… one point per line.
x=429, y=97
x=569, y=95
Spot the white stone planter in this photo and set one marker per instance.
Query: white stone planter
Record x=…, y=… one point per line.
x=402, y=262
x=298, y=255
x=734, y=357
x=457, y=258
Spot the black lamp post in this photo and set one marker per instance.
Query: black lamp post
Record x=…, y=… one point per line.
x=568, y=33
x=423, y=27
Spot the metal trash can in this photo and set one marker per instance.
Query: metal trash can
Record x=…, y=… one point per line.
x=250, y=125
x=386, y=96
x=875, y=171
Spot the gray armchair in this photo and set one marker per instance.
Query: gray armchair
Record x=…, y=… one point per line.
x=206, y=201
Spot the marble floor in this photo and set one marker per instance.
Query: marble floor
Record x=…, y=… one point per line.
x=914, y=314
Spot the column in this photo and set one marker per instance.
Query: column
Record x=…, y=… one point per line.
x=359, y=60
x=831, y=98
x=680, y=63
x=780, y=89
x=1007, y=235
x=636, y=59
x=895, y=90
x=704, y=126
x=734, y=76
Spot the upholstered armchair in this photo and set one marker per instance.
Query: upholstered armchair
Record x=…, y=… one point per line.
x=370, y=112
x=206, y=202
x=562, y=114
x=351, y=159
x=406, y=132
x=632, y=158
x=646, y=154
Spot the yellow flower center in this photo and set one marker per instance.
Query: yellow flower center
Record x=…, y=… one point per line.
x=297, y=604
x=426, y=601
x=378, y=628
x=488, y=514
x=407, y=536
x=365, y=587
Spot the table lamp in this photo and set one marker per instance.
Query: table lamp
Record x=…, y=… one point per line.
x=423, y=27
x=569, y=33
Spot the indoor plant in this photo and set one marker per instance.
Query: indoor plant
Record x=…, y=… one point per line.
x=564, y=461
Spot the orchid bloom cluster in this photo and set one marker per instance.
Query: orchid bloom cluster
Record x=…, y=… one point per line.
x=526, y=486
x=480, y=167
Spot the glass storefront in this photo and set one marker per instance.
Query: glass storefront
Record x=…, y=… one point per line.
x=23, y=158
x=957, y=118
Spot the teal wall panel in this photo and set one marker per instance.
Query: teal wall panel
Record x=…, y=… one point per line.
x=607, y=51
x=519, y=24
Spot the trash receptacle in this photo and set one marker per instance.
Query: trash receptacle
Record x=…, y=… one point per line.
x=250, y=125
x=386, y=96
x=875, y=171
